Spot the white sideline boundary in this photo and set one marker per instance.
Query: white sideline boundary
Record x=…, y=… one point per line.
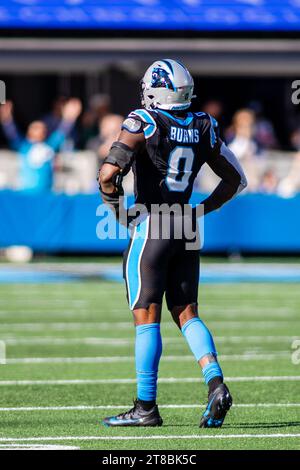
x=142, y=438
x=164, y=380
x=118, y=359
x=119, y=407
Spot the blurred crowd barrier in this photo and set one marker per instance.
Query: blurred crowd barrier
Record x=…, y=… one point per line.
x=74, y=172
x=63, y=150
x=274, y=172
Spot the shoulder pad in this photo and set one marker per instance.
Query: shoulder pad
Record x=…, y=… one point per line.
x=202, y=115
x=144, y=116
x=207, y=116
x=133, y=125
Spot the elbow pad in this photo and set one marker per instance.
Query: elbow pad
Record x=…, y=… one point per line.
x=121, y=155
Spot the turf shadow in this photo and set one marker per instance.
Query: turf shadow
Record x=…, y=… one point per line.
x=283, y=424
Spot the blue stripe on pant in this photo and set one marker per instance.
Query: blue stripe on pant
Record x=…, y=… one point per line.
x=133, y=264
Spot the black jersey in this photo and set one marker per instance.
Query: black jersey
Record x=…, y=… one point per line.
x=175, y=149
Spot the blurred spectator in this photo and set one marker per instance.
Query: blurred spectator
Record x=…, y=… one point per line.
x=269, y=182
x=53, y=118
x=99, y=107
x=264, y=133
x=242, y=126
x=52, y=121
x=214, y=108
x=290, y=185
x=295, y=139
x=109, y=130
x=35, y=150
x=243, y=145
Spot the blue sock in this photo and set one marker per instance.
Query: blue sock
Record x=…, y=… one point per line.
x=212, y=370
x=201, y=343
x=148, y=349
x=198, y=338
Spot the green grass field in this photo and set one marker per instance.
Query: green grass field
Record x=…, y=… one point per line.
x=70, y=349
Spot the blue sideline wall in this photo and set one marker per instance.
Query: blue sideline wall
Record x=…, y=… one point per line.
x=60, y=223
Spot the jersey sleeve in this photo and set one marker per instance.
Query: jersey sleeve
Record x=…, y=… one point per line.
x=139, y=121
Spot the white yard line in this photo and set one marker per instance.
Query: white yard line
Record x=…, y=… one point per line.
x=65, y=313
x=165, y=380
x=122, y=407
x=252, y=339
x=96, y=341
x=44, y=326
x=69, y=341
x=122, y=359
x=117, y=315
x=21, y=446
x=249, y=314
x=44, y=301
x=73, y=325
x=142, y=438
x=46, y=304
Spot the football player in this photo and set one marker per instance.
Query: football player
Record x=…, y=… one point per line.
x=166, y=145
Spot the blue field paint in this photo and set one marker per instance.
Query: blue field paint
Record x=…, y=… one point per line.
x=231, y=273
x=239, y=272
x=15, y=276
x=210, y=274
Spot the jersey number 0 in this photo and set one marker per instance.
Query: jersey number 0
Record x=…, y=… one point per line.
x=180, y=168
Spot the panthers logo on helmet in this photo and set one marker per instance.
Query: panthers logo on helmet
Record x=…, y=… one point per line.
x=168, y=85
x=160, y=79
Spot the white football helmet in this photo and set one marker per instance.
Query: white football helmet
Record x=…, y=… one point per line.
x=167, y=84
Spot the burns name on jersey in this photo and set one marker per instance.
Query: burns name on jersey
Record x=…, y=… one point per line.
x=184, y=136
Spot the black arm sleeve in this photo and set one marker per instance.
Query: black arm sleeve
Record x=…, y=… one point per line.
x=121, y=155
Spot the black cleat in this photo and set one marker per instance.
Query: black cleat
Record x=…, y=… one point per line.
x=219, y=402
x=137, y=416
